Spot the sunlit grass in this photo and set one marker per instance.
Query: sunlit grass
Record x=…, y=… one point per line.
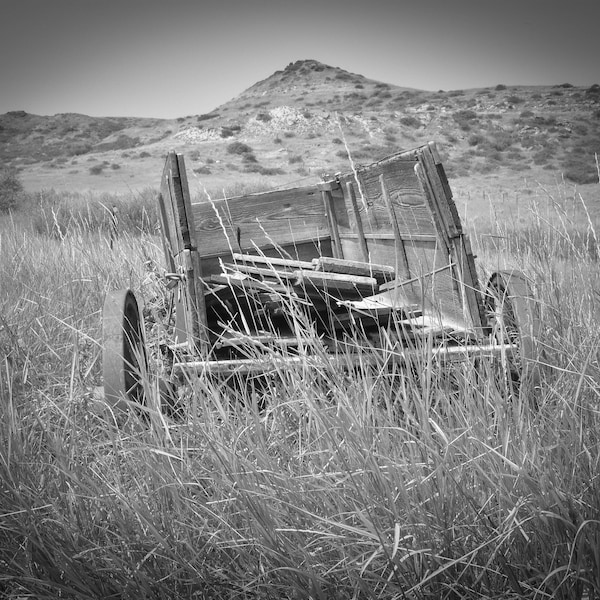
x=320, y=482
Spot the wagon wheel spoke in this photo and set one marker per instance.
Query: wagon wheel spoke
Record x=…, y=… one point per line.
x=125, y=361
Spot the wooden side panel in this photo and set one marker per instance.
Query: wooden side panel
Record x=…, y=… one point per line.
x=289, y=222
x=404, y=208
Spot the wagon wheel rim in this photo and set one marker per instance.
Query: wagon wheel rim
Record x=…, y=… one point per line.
x=514, y=320
x=124, y=352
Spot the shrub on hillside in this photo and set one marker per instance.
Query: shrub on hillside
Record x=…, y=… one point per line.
x=411, y=122
x=202, y=170
x=96, y=169
x=207, y=116
x=464, y=118
x=580, y=170
x=248, y=157
x=123, y=142
x=238, y=148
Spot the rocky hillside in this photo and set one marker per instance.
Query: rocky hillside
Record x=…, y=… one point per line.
x=296, y=124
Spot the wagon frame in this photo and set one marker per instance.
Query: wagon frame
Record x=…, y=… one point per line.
x=379, y=249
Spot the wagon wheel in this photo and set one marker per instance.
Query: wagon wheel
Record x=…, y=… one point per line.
x=125, y=361
x=514, y=319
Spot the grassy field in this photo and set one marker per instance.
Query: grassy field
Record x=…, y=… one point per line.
x=326, y=484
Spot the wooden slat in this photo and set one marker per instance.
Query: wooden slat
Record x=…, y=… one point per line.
x=334, y=280
x=443, y=179
x=436, y=216
x=246, y=283
x=166, y=235
x=268, y=260
x=271, y=273
x=169, y=202
x=360, y=232
x=440, y=196
x=352, y=267
x=333, y=223
x=303, y=252
x=401, y=260
x=470, y=283
x=406, y=238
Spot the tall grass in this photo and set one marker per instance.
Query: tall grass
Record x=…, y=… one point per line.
x=318, y=482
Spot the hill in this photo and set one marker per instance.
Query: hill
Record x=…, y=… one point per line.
x=292, y=126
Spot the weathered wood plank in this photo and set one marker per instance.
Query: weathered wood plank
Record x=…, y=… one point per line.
x=270, y=273
x=302, y=252
x=441, y=201
x=338, y=281
x=247, y=283
x=269, y=260
x=353, y=267
x=279, y=218
x=360, y=232
x=401, y=260
x=171, y=219
x=333, y=223
x=470, y=283
x=167, y=237
x=430, y=240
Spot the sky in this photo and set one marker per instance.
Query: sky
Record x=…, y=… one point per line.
x=174, y=58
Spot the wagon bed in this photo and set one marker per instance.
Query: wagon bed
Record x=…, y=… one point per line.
x=377, y=253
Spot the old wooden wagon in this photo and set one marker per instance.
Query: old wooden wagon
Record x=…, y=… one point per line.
x=373, y=258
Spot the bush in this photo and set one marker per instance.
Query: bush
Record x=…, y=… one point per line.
x=248, y=157
x=238, y=148
x=123, y=142
x=256, y=168
x=411, y=122
x=96, y=169
x=464, y=117
x=11, y=190
x=202, y=171
x=476, y=139
x=580, y=170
